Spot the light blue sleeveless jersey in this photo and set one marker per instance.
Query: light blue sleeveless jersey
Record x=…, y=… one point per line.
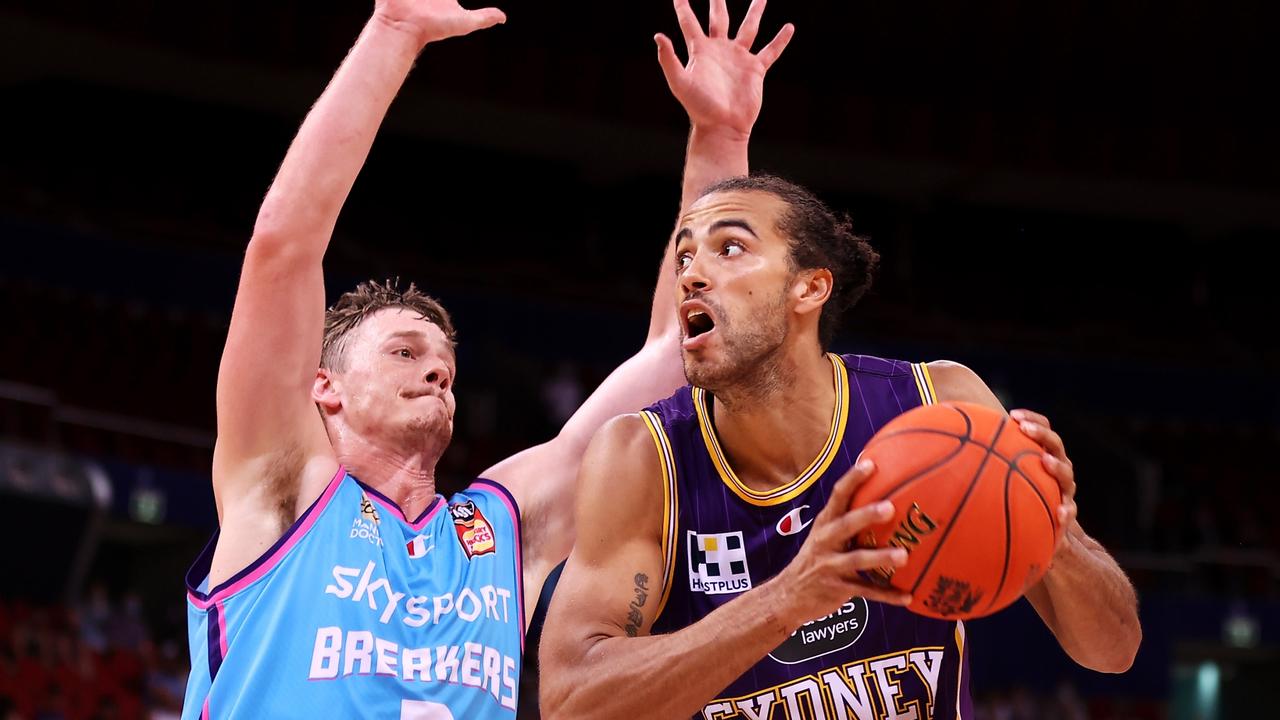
x=359, y=612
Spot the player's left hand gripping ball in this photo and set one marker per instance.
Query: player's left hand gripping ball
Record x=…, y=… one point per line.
x=1055, y=459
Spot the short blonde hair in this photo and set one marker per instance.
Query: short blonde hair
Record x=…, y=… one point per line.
x=368, y=298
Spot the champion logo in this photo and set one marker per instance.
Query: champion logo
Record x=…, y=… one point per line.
x=790, y=524
x=419, y=546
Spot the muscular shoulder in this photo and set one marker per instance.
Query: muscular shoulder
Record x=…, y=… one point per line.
x=623, y=436
x=955, y=382
x=621, y=480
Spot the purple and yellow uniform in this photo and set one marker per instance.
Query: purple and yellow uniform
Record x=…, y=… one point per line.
x=721, y=538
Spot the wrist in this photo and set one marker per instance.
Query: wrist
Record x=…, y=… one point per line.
x=723, y=134
x=394, y=33
x=780, y=606
x=1067, y=557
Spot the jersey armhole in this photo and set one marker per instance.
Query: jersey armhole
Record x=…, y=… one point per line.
x=924, y=383
x=513, y=510
x=203, y=597
x=670, y=503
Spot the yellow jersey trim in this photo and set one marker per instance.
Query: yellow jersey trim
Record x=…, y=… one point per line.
x=791, y=490
x=928, y=381
x=670, y=504
x=924, y=383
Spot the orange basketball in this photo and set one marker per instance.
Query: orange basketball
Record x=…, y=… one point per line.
x=973, y=506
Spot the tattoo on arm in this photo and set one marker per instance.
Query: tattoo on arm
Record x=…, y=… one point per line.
x=634, y=618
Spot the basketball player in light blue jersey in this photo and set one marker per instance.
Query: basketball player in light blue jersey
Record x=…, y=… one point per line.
x=340, y=583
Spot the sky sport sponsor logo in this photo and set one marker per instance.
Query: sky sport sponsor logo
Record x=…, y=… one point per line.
x=364, y=587
x=718, y=563
x=790, y=524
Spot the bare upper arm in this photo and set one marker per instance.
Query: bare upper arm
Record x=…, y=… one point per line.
x=544, y=478
x=613, y=581
x=268, y=428
x=955, y=382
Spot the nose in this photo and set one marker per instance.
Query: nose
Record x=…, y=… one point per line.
x=437, y=374
x=692, y=279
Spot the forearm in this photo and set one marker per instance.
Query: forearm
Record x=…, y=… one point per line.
x=1090, y=605
x=630, y=677
x=331, y=146
x=714, y=154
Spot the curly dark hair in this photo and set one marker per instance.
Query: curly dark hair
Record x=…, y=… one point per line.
x=369, y=297
x=818, y=238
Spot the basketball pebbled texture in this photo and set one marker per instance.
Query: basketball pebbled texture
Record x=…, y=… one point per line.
x=973, y=506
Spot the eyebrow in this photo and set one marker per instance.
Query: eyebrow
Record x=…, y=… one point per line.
x=734, y=223
x=407, y=333
x=686, y=233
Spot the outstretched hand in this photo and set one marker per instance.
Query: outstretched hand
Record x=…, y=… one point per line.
x=722, y=85
x=432, y=20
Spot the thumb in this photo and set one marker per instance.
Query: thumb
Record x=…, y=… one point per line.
x=485, y=18
x=671, y=66
x=842, y=494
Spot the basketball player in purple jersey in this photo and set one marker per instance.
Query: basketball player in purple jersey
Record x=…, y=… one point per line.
x=400, y=625
x=712, y=574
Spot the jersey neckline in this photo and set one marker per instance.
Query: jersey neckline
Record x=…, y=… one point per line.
x=390, y=505
x=802, y=482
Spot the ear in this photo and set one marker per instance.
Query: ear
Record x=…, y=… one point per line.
x=324, y=393
x=811, y=289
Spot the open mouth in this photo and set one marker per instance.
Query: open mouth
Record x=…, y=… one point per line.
x=698, y=322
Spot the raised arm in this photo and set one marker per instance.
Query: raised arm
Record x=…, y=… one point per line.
x=270, y=437
x=597, y=657
x=721, y=88
x=1084, y=599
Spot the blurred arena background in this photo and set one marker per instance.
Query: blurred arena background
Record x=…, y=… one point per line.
x=1075, y=199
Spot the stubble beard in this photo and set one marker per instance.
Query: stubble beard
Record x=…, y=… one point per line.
x=751, y=368
x=430, y=429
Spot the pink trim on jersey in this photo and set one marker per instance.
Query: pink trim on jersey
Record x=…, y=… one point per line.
x=204, y=711
x=394, y=509
x=264, y=564
x=515, y=520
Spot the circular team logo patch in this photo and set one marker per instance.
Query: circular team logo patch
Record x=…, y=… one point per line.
x=825, y=635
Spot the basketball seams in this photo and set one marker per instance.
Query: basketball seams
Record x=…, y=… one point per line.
x=935, y=439
x=967, y=437
x=1053, y=520
x=1008, y=539
x=942, y=541
x=922, y=431
x=917, y=476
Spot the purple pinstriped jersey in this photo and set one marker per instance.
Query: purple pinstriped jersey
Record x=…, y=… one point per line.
x=721, y=538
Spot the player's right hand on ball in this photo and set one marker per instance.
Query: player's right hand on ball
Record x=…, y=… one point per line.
x=824, y=574
x=432, y=20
